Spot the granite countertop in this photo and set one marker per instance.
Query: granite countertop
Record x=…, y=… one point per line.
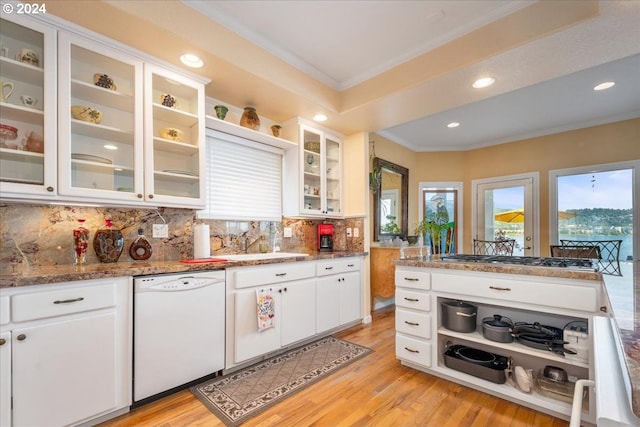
x=435, y=262
x=623, y=294
x=66, y=273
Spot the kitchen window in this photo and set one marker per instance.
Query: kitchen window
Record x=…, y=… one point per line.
x=243, y=179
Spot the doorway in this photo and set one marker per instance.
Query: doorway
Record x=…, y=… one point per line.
x=507, y=208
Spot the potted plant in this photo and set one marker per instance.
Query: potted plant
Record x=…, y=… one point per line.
x=435, y=231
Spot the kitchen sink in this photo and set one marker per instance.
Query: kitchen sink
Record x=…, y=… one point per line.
x=254, y=257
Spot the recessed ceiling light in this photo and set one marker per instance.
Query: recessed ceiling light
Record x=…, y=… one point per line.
x=110, y=147
x=191, y=60
x=605, y=85
x=320, y=117
x=453, y=125
x=483, y=82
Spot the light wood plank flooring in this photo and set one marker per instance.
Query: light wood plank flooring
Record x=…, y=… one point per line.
x=374, y=391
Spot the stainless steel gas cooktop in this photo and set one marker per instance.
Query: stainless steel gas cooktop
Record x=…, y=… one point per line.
x=572, y=263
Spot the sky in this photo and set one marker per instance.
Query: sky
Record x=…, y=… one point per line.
x=610, y=189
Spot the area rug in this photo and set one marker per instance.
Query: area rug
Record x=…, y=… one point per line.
x=239, y=396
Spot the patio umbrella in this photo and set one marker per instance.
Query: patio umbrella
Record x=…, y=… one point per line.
x=517, y=215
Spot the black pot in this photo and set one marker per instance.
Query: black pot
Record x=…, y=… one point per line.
x=497, y=328
x=459, y=316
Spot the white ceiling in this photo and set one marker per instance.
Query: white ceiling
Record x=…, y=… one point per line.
x=543, y=87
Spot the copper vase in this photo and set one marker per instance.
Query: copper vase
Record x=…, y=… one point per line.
x=250, y=118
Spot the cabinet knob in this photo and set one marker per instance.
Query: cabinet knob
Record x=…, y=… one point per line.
x=139, y=196
x=150, y=196
x=2, y=341
x=50, y=189
x=22, y=337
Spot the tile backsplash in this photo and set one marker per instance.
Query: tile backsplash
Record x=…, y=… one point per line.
x=35, y=235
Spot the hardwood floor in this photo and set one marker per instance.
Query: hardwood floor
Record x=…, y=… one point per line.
x=374, y=391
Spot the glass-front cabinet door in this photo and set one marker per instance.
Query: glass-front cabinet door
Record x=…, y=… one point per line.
x=27, y=108
x=321, y=175
x=100, y=121
x=312, y=183
x=174, y=139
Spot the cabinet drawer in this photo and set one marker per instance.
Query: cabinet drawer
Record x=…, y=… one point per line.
x=549, y=294
x=246, y=277
x=413, y=299
x=43, y=304
x=413, y=350
x=4, y=310
x=416, y=278
x=325, y=268
x=413, y=323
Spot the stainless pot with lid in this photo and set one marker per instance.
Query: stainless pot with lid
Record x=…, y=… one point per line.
x=497, y=328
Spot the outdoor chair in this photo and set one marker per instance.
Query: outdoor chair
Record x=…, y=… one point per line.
x=609, y=253
x=591, y=252
x=494, y=247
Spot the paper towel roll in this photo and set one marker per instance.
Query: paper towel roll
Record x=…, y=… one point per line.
x=201, y=243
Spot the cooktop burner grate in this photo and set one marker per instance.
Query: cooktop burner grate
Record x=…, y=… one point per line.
x=574, y=263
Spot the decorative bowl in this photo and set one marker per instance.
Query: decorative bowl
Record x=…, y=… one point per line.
x=86, y=114
x=172, y=134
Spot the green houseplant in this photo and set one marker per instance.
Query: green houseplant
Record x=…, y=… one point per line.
x=436, y=232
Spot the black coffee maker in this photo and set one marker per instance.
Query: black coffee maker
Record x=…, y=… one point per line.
x=325, y=237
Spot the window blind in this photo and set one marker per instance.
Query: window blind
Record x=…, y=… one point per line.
x=243, y=179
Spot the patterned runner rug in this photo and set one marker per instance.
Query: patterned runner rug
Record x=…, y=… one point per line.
x=239, y=396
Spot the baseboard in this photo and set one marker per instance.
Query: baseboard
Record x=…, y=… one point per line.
x=366, y=319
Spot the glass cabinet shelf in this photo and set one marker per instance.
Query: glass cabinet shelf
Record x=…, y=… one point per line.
x=109, y=98
x=25, y=73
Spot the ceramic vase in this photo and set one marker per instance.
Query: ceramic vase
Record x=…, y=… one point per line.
x=250, y=118
x=221, y=111
x=108, y=243
x=276, y=130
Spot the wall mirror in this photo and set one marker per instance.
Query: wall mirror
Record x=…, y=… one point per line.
x=390, y=201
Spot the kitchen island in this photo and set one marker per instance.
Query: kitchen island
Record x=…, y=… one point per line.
x=549, y=293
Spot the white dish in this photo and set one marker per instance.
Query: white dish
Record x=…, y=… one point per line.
x=90, y=158
x=179, y=172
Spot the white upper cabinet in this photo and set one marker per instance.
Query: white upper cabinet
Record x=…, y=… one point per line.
x=174, y=139
x=100, y=121
x=27, y=109
x=86, y=119
x=313, y=185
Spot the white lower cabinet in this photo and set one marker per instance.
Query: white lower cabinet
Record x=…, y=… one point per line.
x=70, y=352
x=339, y=293
x=5, y=379
x=294, y=319
x=422, y=339
x=310, y=298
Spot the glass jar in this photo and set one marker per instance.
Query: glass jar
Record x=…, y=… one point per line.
x=80, y=243
x=108, y=243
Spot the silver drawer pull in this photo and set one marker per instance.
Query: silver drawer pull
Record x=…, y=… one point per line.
x=411, y=351
x=328, y=268
x=411, y=279
x=460, y=313
x=351, y=265
x=281, y=274
x=412, y=299
x=411, y=323
x=497, y=288
x=68, y=301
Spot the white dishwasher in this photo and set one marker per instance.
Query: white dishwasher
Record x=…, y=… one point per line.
x=178, y=332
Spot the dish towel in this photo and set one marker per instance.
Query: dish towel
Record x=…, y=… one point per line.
x=266, y=308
